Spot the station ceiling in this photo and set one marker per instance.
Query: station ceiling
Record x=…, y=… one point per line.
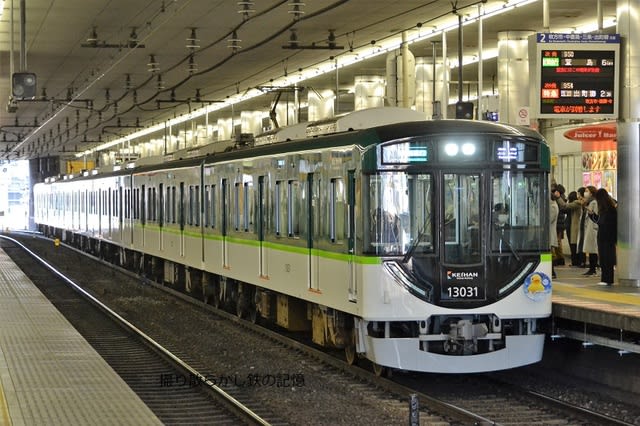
x=107, y=68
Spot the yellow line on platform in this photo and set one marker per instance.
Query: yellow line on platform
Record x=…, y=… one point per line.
x=4, y=409
x=600, y=295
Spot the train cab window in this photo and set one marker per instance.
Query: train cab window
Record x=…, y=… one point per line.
x=518, y=217
x=388, y=218
x=461, y=218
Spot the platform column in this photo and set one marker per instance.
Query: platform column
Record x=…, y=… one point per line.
x=513, y=73
x=628, y=267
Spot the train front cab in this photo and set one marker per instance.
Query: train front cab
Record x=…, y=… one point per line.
x=462, y=278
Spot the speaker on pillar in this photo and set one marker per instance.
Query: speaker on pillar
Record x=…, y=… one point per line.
x=23, y=85
x=464, y=110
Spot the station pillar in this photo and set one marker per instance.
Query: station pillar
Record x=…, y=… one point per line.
x=628, y=267
x=513, y=73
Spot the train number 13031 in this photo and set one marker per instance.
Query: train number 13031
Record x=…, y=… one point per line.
x=463, y=292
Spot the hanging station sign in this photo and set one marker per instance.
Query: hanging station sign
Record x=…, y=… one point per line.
x=577, y=75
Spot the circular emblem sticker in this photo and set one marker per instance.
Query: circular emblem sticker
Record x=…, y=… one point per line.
x=537, y=286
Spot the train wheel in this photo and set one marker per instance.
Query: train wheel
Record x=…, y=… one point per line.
x=350, y=348
x=241, y=308
x=216, y=296
x=382, y=371
x=253, y=314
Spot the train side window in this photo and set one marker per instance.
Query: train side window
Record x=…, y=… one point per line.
x=248, y=206
x=294, y=198
x=143, y=207
x=207, y=205
x=213, y=207
x=237, y=206
x=224, y=203
x=193, y=214
x=151, y=204
x=279, y=208
x=127, y=203
x=181, y=206
x=337, y=210
x=161, y=204
x=196, y=206
x=169, y=204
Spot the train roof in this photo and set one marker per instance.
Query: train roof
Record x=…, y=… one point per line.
x=363, y=137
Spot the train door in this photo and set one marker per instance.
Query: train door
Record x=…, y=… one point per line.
x=463, y=274
x=261, y=213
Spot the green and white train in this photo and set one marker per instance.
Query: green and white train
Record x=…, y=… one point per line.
x=420, y=245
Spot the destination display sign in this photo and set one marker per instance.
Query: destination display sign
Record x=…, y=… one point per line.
x=577, y=75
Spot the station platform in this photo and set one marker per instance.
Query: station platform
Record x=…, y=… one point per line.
x=579, y=298
x=49, y=374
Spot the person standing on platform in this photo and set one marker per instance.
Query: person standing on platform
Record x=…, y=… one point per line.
x=554, y=209
x=573, y=208
x=582, y=260
x=558, y=254
x=607, y=220
x=590, y=231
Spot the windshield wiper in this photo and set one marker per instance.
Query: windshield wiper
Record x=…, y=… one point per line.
x=509, y=246
x=416, y=242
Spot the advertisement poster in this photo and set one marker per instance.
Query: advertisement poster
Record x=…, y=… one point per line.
x=586, y=179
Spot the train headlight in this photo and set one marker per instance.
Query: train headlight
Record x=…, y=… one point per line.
x=451, y=149
x=468, y=149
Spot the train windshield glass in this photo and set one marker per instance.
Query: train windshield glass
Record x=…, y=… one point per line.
x=518, y=219
x=461, y=213
x=400, y=210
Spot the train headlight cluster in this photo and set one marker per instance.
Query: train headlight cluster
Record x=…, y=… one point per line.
x=467, y=149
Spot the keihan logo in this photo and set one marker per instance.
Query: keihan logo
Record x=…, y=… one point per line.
x=461, y=275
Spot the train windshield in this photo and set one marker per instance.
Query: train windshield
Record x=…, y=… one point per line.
x=400, y=216
x=517, y=217
x=401, y=219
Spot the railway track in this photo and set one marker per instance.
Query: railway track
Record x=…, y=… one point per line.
x=469, y=399
x=176, y=392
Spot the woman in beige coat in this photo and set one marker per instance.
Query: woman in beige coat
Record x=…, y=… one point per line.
x=588, y=232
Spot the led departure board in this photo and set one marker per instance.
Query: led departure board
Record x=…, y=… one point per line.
x=577, y=75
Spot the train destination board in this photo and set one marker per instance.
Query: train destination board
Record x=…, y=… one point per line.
x=577, y=75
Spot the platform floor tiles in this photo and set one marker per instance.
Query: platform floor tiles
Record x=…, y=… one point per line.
x=49, y=374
